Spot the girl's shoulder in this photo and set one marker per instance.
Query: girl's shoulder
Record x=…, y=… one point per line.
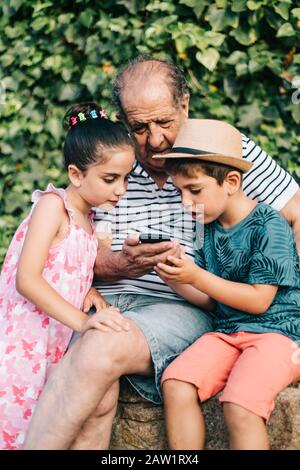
x=51, y=198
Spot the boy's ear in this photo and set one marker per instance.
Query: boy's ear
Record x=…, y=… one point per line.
x=75, y=175
x=234, y=182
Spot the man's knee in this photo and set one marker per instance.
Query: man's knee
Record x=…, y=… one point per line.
x=96, y=353
x=109, y=402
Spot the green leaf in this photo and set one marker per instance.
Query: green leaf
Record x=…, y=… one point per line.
x=213, y=38
x=283, y=10
x=86, y=17
x=286, y=30
x=254, y=5
x=54, y=126
x=296, y=113
x=296, y=13
x=239, y=5
x=208, y=58
x=196, y=5
x=244, y=37
x=68, y=92
x=250, y=115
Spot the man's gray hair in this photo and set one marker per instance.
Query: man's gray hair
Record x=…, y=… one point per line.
x=175, y=78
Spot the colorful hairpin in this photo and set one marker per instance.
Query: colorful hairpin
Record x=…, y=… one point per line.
x=81, y=117
x=93, y=114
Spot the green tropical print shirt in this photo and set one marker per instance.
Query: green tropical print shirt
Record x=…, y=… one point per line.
x=259, y=250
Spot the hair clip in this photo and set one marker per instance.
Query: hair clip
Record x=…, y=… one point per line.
x=93, y=114
x=81, y=117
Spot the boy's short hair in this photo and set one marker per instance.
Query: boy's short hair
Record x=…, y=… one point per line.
x=189, y=167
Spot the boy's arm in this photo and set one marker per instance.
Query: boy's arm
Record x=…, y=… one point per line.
x=291, y=212
x=250, y=298
x=192, y=295
x=44, y=225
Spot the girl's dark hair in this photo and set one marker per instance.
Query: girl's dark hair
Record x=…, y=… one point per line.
x=89, y=136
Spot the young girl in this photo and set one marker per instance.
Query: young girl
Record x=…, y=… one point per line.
x=49, y=266
x=249, y=266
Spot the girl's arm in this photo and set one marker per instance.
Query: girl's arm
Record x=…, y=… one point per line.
x=255, y=298
x=45, y=223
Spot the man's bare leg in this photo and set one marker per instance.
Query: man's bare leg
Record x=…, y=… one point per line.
x=80, y=381
x=96, y=431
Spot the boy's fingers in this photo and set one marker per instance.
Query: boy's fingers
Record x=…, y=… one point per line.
x=174, y=260
x=167, y=269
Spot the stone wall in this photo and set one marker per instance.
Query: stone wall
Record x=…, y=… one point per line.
x=140, y=425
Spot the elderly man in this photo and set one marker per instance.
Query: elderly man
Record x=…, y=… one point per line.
x=77, y=407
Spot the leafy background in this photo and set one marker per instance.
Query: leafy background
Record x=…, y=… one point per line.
x=241, y=58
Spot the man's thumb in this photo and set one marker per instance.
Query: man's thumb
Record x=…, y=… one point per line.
x=132, y=239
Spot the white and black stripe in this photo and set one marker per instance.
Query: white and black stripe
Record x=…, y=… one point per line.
x=146, y=208
x=266, y=181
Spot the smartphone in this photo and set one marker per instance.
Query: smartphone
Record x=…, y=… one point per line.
x=153, y=238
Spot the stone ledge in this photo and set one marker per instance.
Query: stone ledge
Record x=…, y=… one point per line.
x=140, y=425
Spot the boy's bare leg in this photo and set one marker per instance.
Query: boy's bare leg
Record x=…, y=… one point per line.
x=80, y=381
x=247, y=431
x=184, y=419
x=96, y=431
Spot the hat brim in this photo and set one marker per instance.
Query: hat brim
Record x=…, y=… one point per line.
x=238, y=163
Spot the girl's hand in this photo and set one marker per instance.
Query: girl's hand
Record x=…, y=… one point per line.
x=94, y=299
x=106, y=319
x=182, y=270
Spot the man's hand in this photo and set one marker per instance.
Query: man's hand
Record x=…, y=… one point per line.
x=94, y=299
x=140, y=258
x=182, y=270
x=134, y=260
x=105, y=320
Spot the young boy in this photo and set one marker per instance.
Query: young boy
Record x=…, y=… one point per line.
x=248, y=265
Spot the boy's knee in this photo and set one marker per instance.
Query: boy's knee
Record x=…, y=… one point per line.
x=236, y=416
x=179, y=392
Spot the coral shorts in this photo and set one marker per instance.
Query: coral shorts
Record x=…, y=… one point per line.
x=251, y=368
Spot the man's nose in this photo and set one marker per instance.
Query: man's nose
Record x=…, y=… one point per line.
x=155, y=136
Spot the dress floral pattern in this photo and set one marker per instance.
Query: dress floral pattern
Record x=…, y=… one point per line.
x=31, y=342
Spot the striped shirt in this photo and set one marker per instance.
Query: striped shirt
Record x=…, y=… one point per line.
x=147, y=209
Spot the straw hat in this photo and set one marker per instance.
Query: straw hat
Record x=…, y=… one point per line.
x=211, y=141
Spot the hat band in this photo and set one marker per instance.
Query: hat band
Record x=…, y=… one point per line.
x=190, y=150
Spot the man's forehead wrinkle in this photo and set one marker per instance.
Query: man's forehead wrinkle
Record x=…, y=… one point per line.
x=138, y=116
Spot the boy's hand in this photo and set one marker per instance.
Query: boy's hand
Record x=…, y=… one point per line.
x=105, y=320
x=94, y=299
x=182, y=270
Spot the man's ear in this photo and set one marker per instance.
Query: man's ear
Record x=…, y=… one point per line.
x=234, y=182
x=75, y=175
x=185, y=104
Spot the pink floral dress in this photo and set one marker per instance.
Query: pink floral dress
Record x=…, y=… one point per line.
x=31, y=342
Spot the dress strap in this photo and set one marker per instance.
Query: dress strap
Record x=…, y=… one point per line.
x=51, y=189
